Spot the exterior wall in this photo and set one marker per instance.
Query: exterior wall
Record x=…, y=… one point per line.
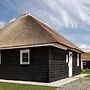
x=76, y=69
x=47, y=64
x=86, y=64
x=58, y=68
x=37, y=70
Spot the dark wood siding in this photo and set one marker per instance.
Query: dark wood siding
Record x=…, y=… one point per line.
x=76, y=69
x=86, y=65
x=37, y=70
x=47, y=64
x=58, y=68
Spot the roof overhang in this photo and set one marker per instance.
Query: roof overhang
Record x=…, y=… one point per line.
x=85, y=59
x=38, y=45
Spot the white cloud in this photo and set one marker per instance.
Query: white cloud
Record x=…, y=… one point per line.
x=72, y=13
x=85, y=47
x=69, y=17
x=2, y=24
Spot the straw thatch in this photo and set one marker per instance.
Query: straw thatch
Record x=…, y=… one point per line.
x=28, y=30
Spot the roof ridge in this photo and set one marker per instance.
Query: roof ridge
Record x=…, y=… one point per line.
x=52, y=30
x=54, y=36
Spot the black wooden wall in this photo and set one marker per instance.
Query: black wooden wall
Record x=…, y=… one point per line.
x=58, y=68
x=87, y=65
x=76, y=69
x=47, y=64
x=37, y=70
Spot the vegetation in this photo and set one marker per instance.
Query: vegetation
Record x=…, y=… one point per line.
x=87, y=76
x=10, y=86
x=86, y=71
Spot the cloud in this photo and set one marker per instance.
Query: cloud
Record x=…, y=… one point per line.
x=67, y=13
x=85, y=47
x=71, y=18
x=72, y=12
x=2, y=24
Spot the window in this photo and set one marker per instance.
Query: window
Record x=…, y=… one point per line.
x=66, y=58
x=84, y=63
x=77, y=59
x=24, y=56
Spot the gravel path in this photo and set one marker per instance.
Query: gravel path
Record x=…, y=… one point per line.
x=80, y=84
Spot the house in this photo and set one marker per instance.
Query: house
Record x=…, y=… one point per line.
x=85, y=60
x=30, y=50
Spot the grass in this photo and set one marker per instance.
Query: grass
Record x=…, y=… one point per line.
x=86, y=71
x=11, y=86
x=87, y=76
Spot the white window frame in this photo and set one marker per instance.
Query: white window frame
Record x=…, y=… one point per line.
x=77, y=59
x=84, y=63
x=67, y=58
x=0, y=57
x=21, y=57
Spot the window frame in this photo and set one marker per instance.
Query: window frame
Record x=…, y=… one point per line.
x=78, y=59
x=67, y=58
x=21, y=56
x=84, y=63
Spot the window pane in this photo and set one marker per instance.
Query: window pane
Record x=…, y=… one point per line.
x=23, y=59
x=26, y=55
x=26, y=59
x=23, y=54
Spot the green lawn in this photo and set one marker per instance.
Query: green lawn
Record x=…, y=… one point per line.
x=10, y=86
x=86, y=71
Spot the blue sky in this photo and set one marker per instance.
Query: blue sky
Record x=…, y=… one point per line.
x=71, y=18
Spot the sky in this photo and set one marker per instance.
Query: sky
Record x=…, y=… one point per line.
x=70, y=18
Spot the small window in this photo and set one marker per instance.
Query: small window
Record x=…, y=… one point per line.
x=77, y=59
x=24, y=57
x=66, y=58
x=84, y=63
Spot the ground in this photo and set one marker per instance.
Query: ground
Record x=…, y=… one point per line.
x=80, y=84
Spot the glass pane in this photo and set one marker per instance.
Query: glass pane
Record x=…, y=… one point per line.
x=26, y=59
x=23, y=54
x=23, y=59
x=26, y=55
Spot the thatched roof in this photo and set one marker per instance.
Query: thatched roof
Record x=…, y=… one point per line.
x=85, y=56
x=27, y=30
